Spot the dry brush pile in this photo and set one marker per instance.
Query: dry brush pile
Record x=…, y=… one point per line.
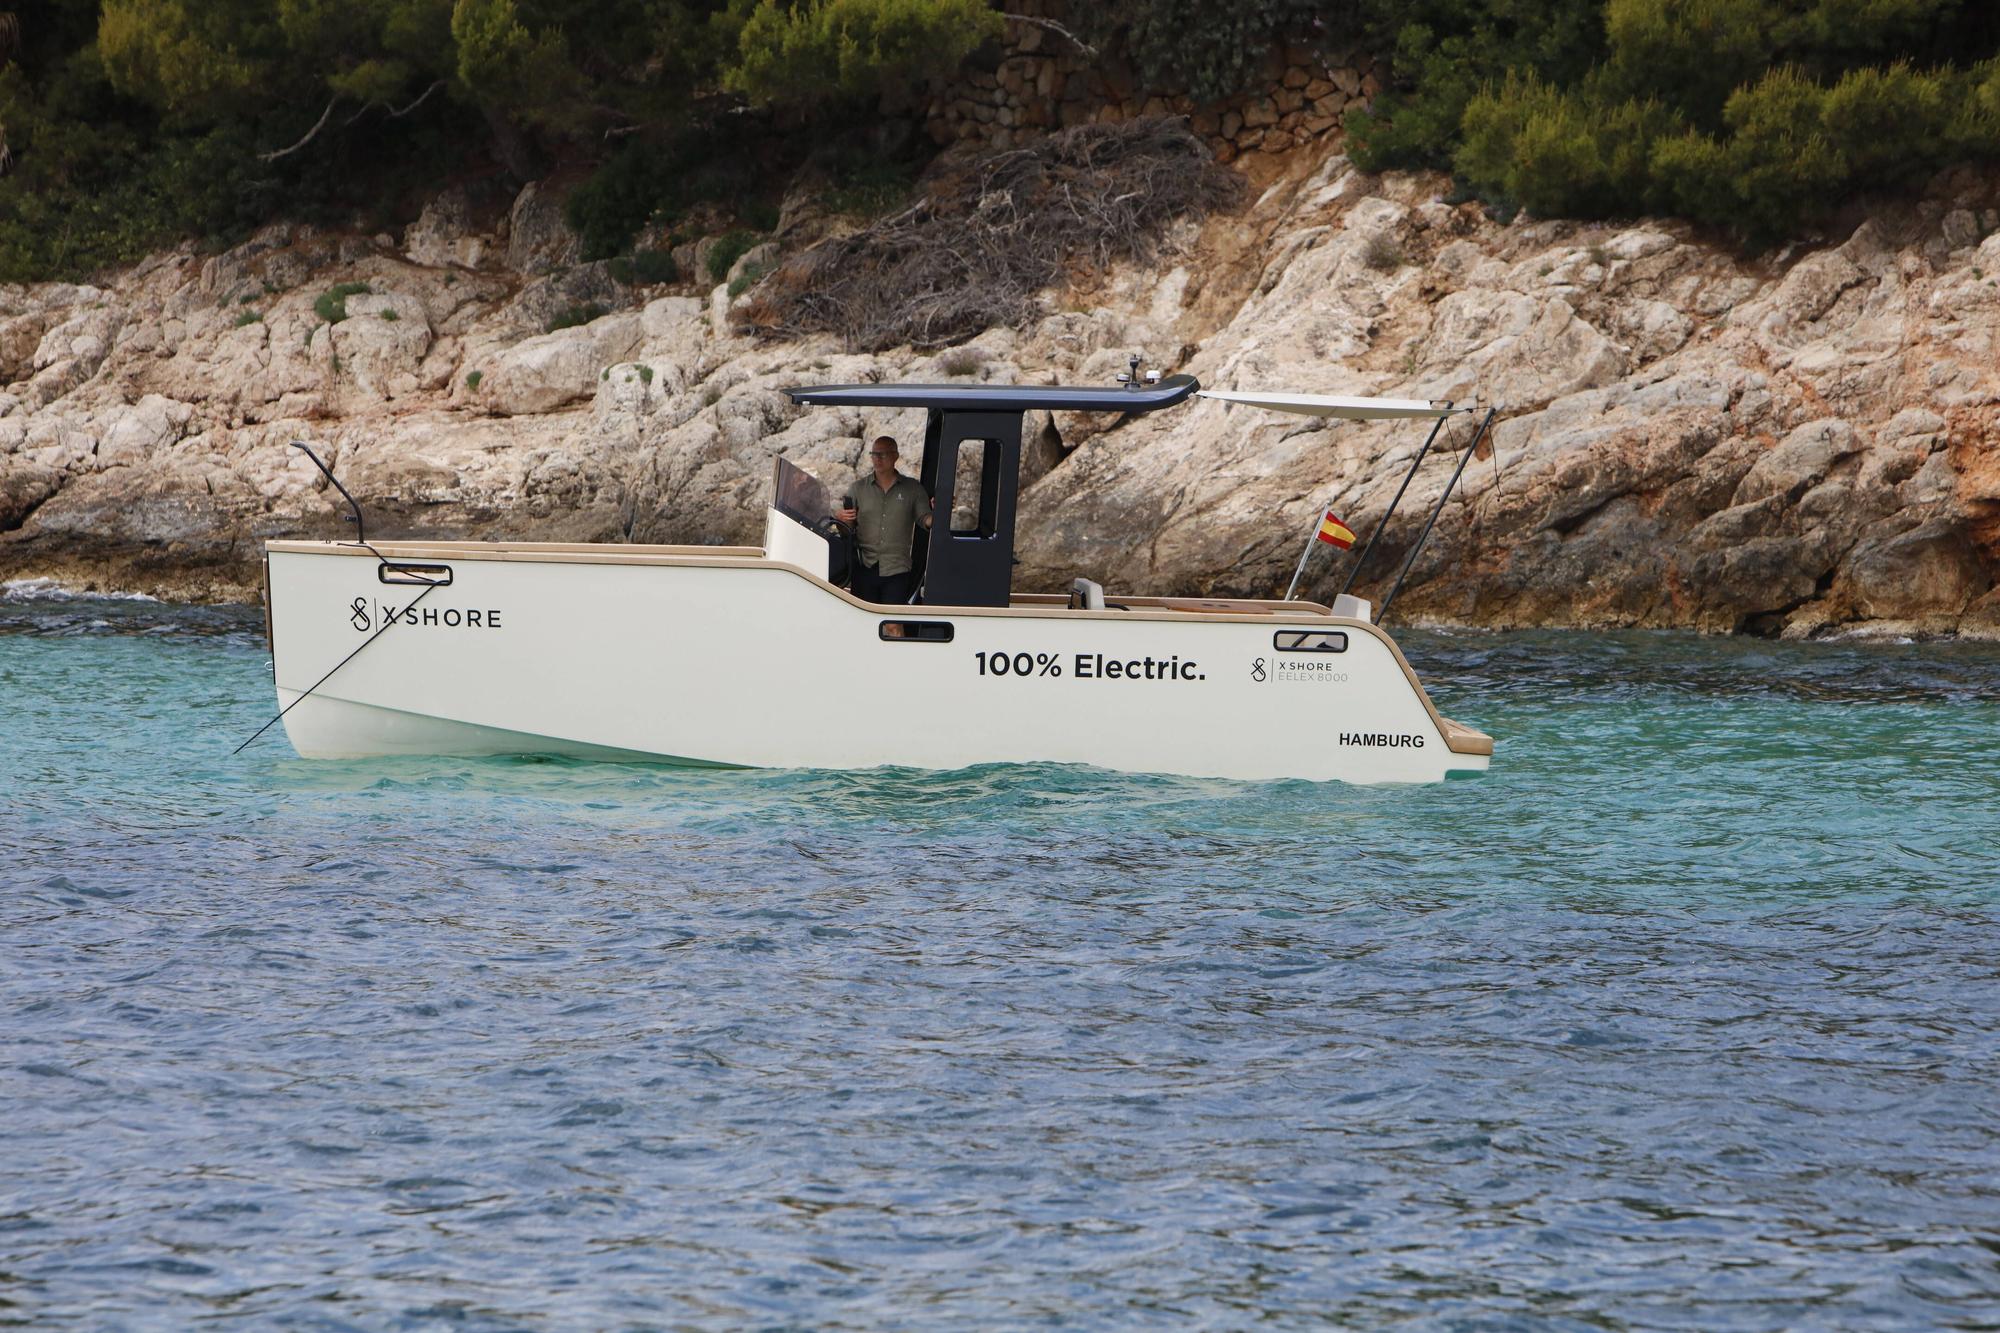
x=987, y=237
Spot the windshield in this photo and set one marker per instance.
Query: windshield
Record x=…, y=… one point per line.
x=798, y=494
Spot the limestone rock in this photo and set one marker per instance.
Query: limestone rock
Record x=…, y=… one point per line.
x=1652, y=329
x=544, y=373
x=20, y=338
x=560, y=295
x=137, y=433
x=1688, y=436
x=382, y=342
x=1931, y=571
x=1799, y=461
x=23, y=486
x=757, y=260
x=539, y=238
x=446, y=233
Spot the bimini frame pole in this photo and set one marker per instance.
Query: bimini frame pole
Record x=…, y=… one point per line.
x=1436, y=509
x=1312, y=536
x=1390, y=513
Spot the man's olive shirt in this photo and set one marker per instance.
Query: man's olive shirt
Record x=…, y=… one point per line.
x=885, y=521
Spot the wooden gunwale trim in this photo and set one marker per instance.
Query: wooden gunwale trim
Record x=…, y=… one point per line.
x=1458, y=738
x=1461, y=739
x=606, y=553
x=1195, y=604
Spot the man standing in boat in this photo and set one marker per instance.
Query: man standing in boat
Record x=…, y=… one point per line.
x=885, y=513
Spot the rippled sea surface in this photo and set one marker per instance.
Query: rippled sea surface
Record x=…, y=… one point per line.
x=1687, y=1016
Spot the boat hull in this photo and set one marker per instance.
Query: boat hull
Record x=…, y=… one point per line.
x=727, y=658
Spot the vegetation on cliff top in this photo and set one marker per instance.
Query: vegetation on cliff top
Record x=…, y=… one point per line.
x=132, y=123
x=1762, y=116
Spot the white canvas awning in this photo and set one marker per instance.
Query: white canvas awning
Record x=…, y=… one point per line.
x=1324, y=405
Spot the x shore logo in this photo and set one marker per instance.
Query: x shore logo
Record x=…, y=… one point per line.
x=1286, y=670
x=365, y=615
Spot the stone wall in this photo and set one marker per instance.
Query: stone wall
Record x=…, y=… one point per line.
x=1043, y=81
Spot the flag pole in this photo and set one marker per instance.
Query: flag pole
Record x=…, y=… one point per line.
x=1312, y=535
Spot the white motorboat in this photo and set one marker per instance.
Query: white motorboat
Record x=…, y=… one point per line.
x=756, y=657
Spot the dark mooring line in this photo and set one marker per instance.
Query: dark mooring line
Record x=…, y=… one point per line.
x=387, y=622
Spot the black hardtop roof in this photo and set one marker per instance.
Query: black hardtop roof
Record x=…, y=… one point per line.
x=1001, y=397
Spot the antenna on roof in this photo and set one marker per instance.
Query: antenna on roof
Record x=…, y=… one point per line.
x=1130, y=378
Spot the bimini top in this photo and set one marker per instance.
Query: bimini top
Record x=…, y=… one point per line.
x=1001, y=397
x=1351, y=409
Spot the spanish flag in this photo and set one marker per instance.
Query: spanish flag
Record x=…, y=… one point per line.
x=1335, y=533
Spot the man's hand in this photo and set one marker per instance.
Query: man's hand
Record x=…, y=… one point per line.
x=847, y=515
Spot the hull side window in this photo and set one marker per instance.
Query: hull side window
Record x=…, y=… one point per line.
x=1310, y=641
x=915, y=631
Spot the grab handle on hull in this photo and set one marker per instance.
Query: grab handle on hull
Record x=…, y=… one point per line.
x=422, y=576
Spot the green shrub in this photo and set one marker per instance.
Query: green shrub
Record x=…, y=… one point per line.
x=472, y=378
x=331, y=304
x=1443, y=53
x=962, y=361
x=571, y=316
x=871, y=187
x=1207, y=48
x=751, y=275
x=854, y=48
x=655, y=266
x=1558, y=153
x=1693, y=170
x=1784, y=151
x=1380, y=251
x=728, y=248
x=1892, y=126
x=657, y=179
x=1782, y=166
x=94, y=185
x=1761, y=116
x=391, y=316
x=622, y=196
x=644, y=268
x=247, y=318
x=1694, y=53
x=645, y=373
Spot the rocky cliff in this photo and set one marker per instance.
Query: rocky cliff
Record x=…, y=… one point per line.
x=1795, y=444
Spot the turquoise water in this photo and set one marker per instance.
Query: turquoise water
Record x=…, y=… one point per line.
x=1687, y=1016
